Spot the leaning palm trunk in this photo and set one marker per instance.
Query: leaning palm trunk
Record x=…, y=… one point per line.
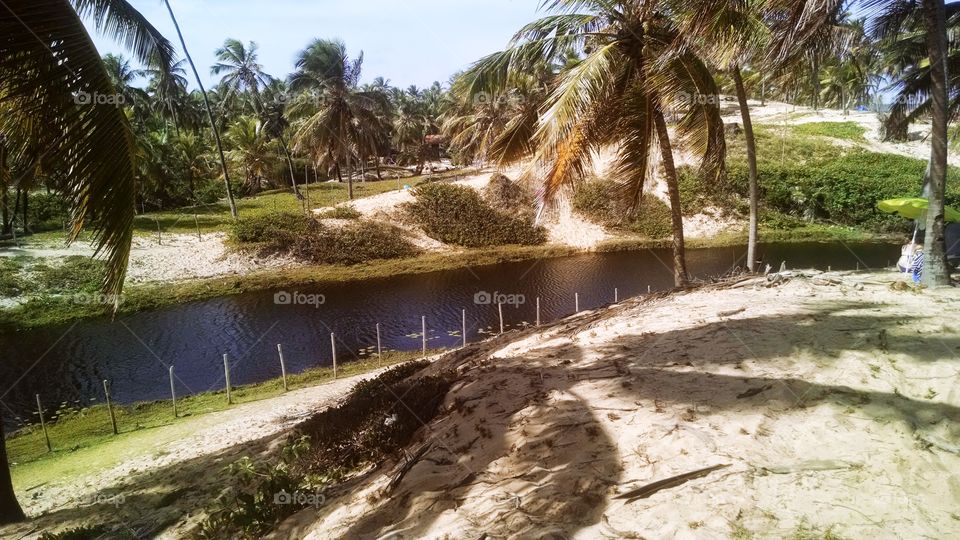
x=10, y=511
x=206, y=103
x=935, y=271
x=752, y=163
x=680, y=277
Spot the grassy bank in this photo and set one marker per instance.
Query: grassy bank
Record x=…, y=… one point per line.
x=53, y=311
x=78, y=437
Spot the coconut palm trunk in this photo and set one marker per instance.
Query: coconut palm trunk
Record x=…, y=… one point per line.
x=935, y=270
x=206, y=103
x=752, y=164
x=680, y=277
x=10, y=511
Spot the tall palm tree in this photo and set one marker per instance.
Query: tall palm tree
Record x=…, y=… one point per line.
x=339, y=117
x=250, y=151
x=633, y=70
x=206, y=102
x=242, y=73
x=732, y=33
x=48, y=60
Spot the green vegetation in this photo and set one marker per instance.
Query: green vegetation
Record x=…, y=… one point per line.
x=342, y=212
x=310, y=240
x=85, y=428
x=11, y=282
x=332, y=444
x=458, y=215
x=596, y=200
x=809, y=178
x=848, y=131
x=216, y=217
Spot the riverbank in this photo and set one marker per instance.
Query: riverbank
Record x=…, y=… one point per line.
x=59, y=310
x=86, y=453
x=811, y=388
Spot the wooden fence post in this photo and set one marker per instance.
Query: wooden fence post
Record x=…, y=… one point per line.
x=43, y=425
x=538, y=311
x=333, y=349
x=113, y=418
x=379, y=349
x=616, y=296
x=423, y=327
x=226, y=374
x=283, y=367
x=173, y=393
x=463, y=327
x=500, y=311
x=576, y=302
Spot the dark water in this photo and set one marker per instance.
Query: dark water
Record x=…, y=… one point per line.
x=68, y=364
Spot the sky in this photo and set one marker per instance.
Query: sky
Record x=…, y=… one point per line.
x=409, y=42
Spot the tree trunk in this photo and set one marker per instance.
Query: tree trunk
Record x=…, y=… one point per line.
x=680, y=278
x=752, y=163
x=206, y=103
x=377, y=157
x=815, y=66
x=5, y=195
x=10, y=511
x=349, y=179
x=935, y=270
x=26, y=225
x=293, y=179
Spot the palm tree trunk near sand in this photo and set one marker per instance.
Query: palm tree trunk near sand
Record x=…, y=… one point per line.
x=752, y=162
x=10, y=511
x=206, y=103
x=935, y=270
x=349, y=179
x=286, y=152
x=680, y=278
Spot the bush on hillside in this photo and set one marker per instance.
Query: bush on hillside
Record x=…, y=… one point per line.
x=307, y=239
x=501, y=192
x=342, y=212
x=600, y=201
x=458, y=215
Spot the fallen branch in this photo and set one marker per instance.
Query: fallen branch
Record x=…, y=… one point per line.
x=407, y=466
x=673, y=481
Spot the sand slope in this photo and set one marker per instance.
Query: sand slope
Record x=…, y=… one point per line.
x=823, y=395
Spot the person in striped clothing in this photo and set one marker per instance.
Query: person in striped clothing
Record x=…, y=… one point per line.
x=916, y=266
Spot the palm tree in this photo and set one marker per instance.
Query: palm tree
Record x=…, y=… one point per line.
x=339, y=117
x=250, y=151
x=206, y=102
x=47, y=61
x=733, y=32
x=243, y=74
x=935, y=270
x=634, y=68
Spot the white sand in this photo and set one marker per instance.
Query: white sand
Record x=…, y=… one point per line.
x=817, y=394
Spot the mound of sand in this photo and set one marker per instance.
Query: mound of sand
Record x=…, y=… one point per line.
x=831, y=399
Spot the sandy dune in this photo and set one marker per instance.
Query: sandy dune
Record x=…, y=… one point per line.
x=832, y=399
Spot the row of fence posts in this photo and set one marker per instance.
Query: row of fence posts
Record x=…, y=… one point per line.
x=283, y=365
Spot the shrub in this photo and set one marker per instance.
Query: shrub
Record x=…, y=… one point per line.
x=342, y=212
x=353, y=244
x=598, y=200
x=458, y=215
x=273, y=231
x=46, y=212
x=11, y=283
x=309, y=240
x=501, y=192
x=850, y=131
x=75, y=273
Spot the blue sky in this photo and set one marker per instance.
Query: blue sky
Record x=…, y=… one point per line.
x=406, y=41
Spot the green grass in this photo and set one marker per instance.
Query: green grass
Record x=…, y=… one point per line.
x=848, y=131
x=83, y=441
x=216, y=217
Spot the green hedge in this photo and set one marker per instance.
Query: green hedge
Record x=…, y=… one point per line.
x=599, y=201
x=458, y=215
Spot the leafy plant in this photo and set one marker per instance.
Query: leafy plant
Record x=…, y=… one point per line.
x=651, y=218
x=342, y=212
x=458, y=215
x=848, y=131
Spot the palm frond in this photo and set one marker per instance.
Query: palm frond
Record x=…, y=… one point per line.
x=50, y=77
